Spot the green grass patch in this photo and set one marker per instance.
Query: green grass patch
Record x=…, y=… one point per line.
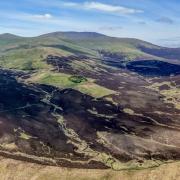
x=24, y=136
x=79, y=83
x=94, y=90
x=60, y=80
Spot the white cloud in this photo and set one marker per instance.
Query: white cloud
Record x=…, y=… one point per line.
x=103, y=7
x=32, y=24
x=27, y=17
x=70, y=4
x=43, y=16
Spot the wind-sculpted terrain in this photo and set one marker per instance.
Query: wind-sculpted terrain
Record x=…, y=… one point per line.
x=85, y=100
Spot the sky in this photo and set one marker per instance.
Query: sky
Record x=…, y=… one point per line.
x=156, y=21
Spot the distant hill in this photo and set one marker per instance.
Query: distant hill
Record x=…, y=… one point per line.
x=9, y=36
x=91, y=44
x=75, y=35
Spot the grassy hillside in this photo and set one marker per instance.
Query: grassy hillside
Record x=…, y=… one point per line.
x=29, y=54
x=15, y=47
x=95, y=41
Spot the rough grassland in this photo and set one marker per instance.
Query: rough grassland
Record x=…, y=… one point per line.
x=62, y=80
x=17, y=170
x=28, y=59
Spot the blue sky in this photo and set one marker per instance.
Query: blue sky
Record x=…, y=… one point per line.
x=157, y=21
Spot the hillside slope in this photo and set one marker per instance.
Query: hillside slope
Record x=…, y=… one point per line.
x=86, y=100
x=12, y=169
x=73, y=43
